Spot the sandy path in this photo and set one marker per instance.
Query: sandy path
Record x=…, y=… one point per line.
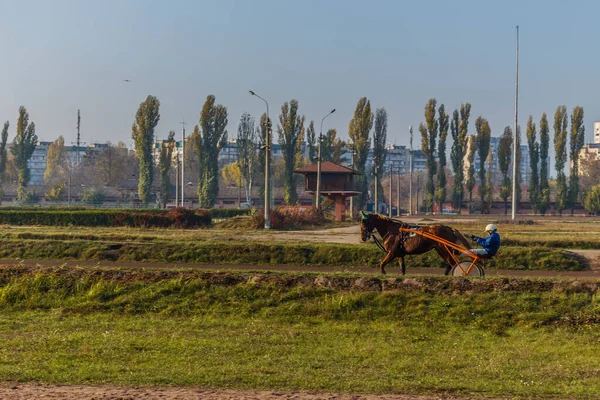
x=19, y=391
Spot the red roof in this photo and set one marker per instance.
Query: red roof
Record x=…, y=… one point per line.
x=327, y=167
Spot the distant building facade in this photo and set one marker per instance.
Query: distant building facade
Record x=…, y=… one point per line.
x=524, y=167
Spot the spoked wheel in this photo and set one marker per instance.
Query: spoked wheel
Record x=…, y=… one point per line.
x=462, y=269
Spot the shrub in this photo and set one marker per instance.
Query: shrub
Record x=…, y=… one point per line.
x=289, y=218
x=92, y=197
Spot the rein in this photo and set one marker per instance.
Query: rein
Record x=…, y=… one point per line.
x=378, y=243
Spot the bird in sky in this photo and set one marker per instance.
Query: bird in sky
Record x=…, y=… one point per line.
x=126, y=80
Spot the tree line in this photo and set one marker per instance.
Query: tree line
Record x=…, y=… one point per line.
x=465, y=146
x=366, y=130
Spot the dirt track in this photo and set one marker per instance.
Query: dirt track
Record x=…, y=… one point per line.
x=20, y=391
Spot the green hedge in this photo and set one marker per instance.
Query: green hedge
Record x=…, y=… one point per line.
x=181, y=218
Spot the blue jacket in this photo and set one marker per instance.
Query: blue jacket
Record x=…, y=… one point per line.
x=491, y=244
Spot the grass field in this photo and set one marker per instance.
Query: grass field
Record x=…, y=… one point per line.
x=523, y=339
x=545, y=244
x=510, y=338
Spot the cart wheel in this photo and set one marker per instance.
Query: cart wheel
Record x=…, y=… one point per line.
x=461, y=269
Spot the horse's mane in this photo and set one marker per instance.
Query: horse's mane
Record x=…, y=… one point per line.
x=388, y=219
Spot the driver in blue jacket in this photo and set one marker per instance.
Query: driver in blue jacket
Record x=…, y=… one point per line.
x=490, y=244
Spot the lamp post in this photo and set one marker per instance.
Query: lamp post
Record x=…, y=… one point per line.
x=267, y=166
x=516, y=132
x=391, y=176
x=318, y=196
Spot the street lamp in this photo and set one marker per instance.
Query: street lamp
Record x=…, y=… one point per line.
x=319, y=161
x=376, y=169
x=267, y=166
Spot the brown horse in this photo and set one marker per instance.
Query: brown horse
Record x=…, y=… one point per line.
x=398, y=244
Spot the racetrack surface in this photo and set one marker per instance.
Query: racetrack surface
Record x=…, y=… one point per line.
x=30, y=391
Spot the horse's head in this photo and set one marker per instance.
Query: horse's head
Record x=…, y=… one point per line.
x=365, y=227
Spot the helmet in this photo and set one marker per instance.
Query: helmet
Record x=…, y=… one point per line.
x=491, y=228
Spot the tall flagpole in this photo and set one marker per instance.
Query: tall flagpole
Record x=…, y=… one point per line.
x=514, y=192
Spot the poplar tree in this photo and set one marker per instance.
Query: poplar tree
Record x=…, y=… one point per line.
x=560, y=149
x=164, y=165
x=22, y=148
x=212, y=138
x=332, y=147
x=429, y=133
x=311, y=142
x=459, y=130
x=440, y=193
x=576, y=143
x=544, y=189
x=482, y=140
x=246, y=141
x=337, y=151
x=3, y=151
x=56, y=160
x=291, y=135
x=534, y=154
x=470, y=182
x=504, y=159
x=379, y=153
x=142, y=133
x=489, y=194
x=359, y=130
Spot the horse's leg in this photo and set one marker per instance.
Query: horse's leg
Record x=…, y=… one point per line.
x=401, y=262
x=388, y=257
x=446, y=257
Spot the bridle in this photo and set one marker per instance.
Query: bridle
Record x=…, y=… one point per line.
x=365, y=229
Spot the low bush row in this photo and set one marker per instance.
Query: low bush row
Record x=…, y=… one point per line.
x=178, y=218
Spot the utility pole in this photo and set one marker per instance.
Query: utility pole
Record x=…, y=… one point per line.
x=352, y=197
x=514, y=191
x=183, y=163
x=410, y=157
x=78, y=143
x=177, y=182
x=398, y=193
x=391, y=197
x=418, y=188
x=78, y=135
x=376, y=209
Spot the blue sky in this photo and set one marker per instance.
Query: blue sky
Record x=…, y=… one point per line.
x=59, y=56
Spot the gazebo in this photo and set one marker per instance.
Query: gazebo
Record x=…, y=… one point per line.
x=337, y=183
